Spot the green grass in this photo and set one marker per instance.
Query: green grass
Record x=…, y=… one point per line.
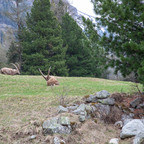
x=33, y=86
x=27, y=98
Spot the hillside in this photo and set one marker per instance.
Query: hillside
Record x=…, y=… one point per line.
x=25, y=100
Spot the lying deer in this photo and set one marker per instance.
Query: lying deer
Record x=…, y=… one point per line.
x=51, y=80
x=10, y=71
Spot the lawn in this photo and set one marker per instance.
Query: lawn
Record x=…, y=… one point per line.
x=35, y=86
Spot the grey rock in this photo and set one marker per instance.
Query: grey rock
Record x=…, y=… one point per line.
x=102, y=94
x=91, y=98
x=127, y=116
x=135, y=102
x=58, y=141
x=114, y=141
x=132, y=128
x=80, y=109
x=33, y=137
x=119, y=124
x=62, y=109
x=88, y=108
x=64, y=121
x=127, y=121
x=140, y=106
x=107, y=101
x=142, y=120
x=72, y=107
x=103, y=109
x=139, y=138
x=82, y=118
x=53, y=126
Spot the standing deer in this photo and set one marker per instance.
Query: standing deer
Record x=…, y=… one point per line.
x=51, y=80
x=10, y=71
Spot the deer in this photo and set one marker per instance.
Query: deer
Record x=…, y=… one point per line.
x=10, y=71
x=51, y=80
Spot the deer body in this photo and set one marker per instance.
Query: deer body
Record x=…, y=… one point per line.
x=51, y=80
x=10, y=71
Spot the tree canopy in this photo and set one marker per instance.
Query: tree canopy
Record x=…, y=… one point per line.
x=78, y=56
x=124, y=39
x=42, y=41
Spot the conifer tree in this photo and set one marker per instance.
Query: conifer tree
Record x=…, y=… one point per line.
x=42, y=41
x=78, y=53
x=124, y=20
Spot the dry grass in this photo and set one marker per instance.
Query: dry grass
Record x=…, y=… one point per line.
x=25, y=101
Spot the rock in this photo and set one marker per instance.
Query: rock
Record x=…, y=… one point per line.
x=80, y=109
x=126, y=116
x=119, y=124
x=64, y=121
x=140, y=106
x=139, y=138
x=103, y=109
x=127, y=121
x=135, y=102
x=102, y=94
x=54, y=126
x=107, y=101
x=33, y=137
x=58, y=141
x=62, y=109
x=114, y=141
x=82, y=118
x=132, y=128
x=72, y=107
x=91, y=98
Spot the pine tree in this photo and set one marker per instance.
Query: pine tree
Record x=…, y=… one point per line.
x=124, y=21
x=42, y=41
x=78, y=53
x=98, y=54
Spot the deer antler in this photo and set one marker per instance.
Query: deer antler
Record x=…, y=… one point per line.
x=48, y=73
x=43, y=75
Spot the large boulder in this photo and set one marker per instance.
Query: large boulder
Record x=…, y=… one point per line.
x=132, y=128
x=107, y=101
x=139, y=138
x=59, y=125
x=102, y=94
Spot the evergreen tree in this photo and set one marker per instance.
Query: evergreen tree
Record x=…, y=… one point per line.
x=78, y=52
x=124, y=21
x=42, y=41
x=98, y=54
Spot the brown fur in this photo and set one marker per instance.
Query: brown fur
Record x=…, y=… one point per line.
x=10, y=71
x=51, y=80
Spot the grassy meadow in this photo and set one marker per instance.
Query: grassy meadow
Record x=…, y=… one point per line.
x=23, y=97
x=35, y=86
x=27, y=98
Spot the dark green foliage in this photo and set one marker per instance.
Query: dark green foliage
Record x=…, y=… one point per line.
x=78, y=53
x=125, y=42
x=98, y=54
x=42, y=41
x=12, y=53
